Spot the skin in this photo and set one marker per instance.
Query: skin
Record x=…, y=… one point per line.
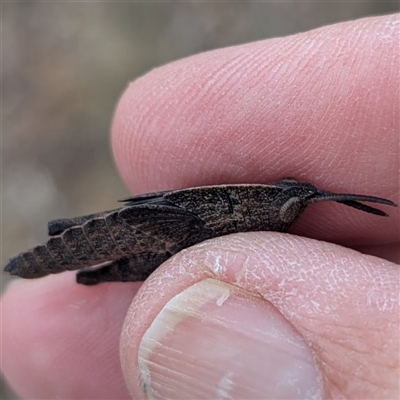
x=322, y=106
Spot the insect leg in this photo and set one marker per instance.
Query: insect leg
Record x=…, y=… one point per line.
x=133, y=269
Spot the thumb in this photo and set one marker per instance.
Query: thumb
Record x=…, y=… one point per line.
x=265, y=315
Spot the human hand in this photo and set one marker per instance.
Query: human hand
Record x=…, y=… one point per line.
x=255, y=315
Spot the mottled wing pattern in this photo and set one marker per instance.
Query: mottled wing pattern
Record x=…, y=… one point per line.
x=169, y=224
x=169, y=228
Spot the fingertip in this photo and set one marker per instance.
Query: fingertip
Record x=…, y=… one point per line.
x=280, y=107
x=218, y=339
x=321, y=106
x=310, y=285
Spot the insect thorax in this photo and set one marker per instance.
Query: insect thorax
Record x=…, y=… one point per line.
x=234, y=208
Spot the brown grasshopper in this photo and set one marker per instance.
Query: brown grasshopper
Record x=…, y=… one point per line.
x=135, y=239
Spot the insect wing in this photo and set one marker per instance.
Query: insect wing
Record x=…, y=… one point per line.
x=147, y=198
x=170, y=224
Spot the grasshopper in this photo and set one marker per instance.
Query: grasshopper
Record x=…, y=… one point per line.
x=132, y=241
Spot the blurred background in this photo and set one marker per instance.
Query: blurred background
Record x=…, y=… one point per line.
x=64, y=66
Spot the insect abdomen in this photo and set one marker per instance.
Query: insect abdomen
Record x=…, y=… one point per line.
x=97, y=232
x=71, y=250
x=25, y=266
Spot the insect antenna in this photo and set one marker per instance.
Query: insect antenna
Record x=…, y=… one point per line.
x=352, y=200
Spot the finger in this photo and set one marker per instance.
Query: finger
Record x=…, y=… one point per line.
x=60, y=339
x=265, y=315
x=321, y=106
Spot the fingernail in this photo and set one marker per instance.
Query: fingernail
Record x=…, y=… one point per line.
x=214, y=340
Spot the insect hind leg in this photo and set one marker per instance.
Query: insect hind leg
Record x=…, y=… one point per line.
x=134, y=269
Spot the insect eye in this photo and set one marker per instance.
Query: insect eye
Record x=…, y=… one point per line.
x=310, y=194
